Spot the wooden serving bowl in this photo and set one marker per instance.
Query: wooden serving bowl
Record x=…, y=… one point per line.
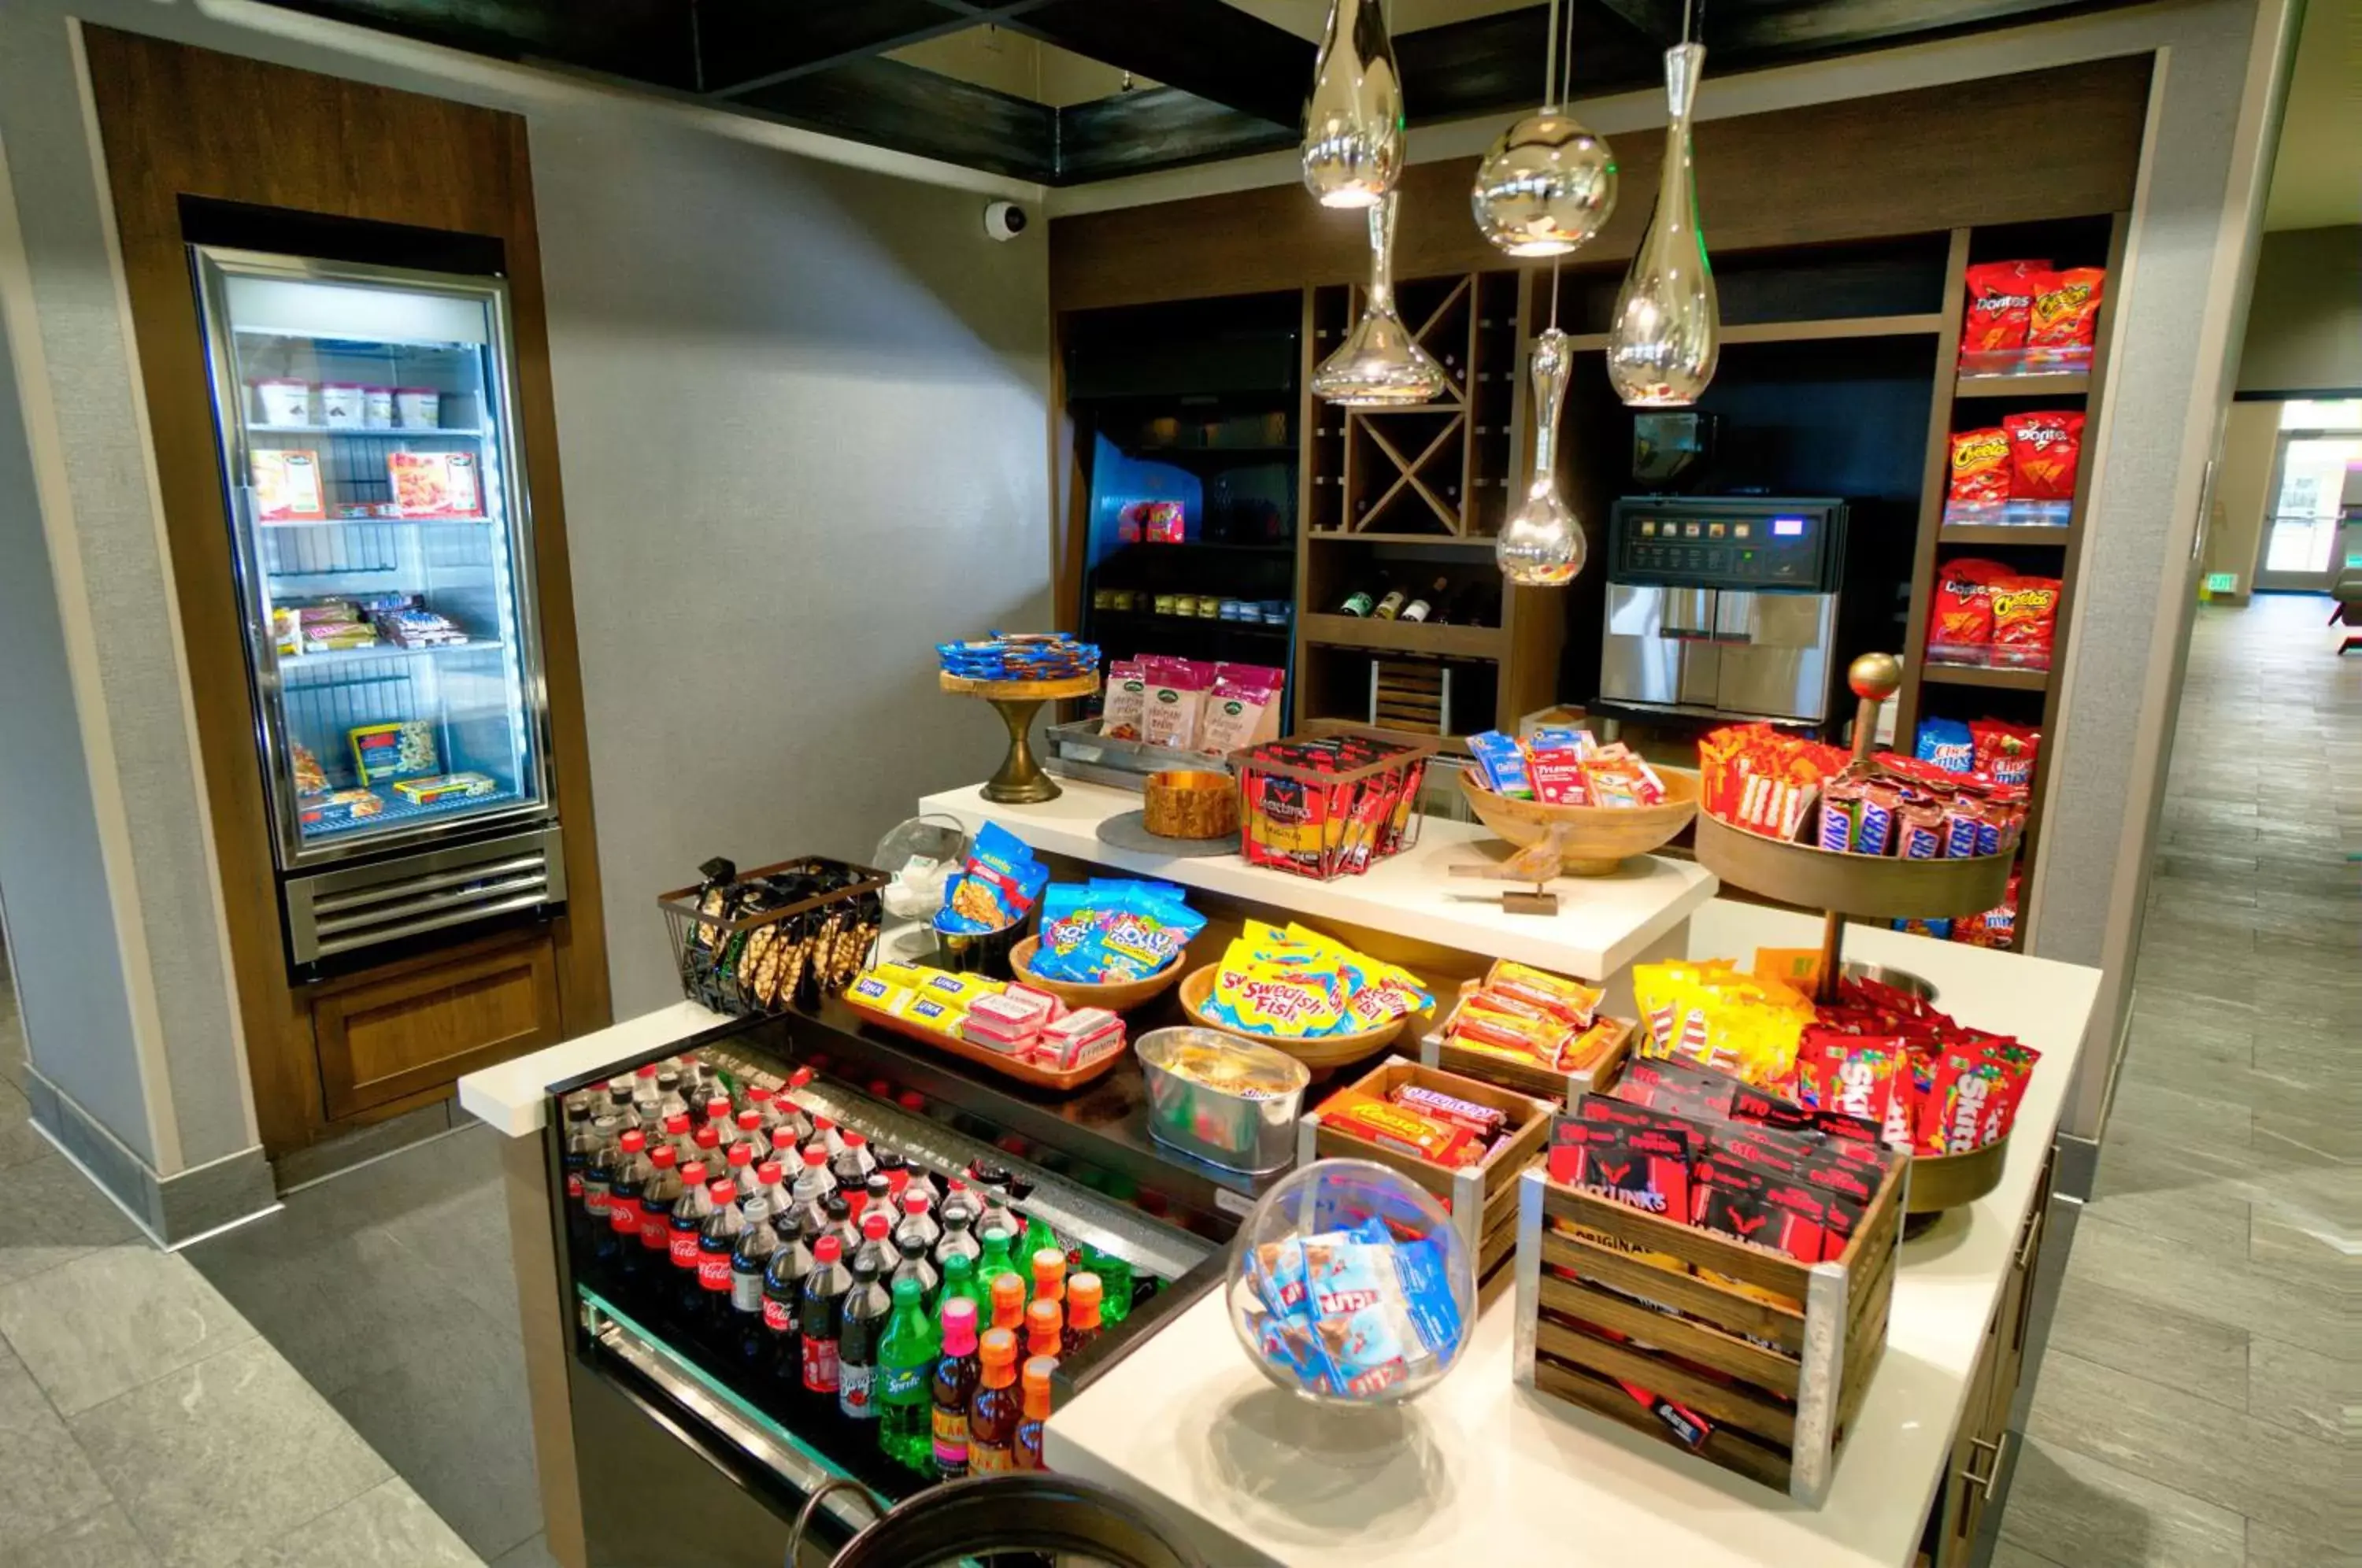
x=1598, y=839
x=1325, y=1052
x=1116, y=998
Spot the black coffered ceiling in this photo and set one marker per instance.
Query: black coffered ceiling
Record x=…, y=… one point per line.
x=1228, y=83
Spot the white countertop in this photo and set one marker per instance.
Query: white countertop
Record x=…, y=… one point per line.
x=1603, y=924
x=1484, y=1473
x=514, y=1096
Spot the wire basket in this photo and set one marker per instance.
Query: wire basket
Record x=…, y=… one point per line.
x=760, y=942
x=1328, y=817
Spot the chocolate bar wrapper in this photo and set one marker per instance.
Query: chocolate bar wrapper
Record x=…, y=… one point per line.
x=1483, y=1120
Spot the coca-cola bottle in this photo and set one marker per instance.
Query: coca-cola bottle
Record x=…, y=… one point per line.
x=879, y=1194
x=743, y=1182
x=867, y=1307
x=580, y=1142
x=825, y=1135
x=707, y=1141
x=646, y=1097
x=917, y=1220
x=916, y=1266
x=813, y=1184
x=717, y=1244
x=751, y=1132
x=690, y=1212
x=599, y=1173
x=840, y=1223
x=657, y=1201
x=626, y=1182
x=822, y=1319
x=722, y=1118
x=619, y=1101
x=766, y=1187
x=856, y=1151
x=783, y=1295
x=677, y=1133
x=956, y=1241
x=760, y=1102
x=669, y=1100
x=877, y=1245
x=795, y=1123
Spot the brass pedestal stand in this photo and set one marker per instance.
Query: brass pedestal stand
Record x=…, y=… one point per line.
x=1021, y=781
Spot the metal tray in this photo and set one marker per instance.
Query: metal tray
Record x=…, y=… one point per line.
x=1879, y=887
x=1080, y=751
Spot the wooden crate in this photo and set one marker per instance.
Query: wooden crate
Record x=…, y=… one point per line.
x=1788, y=1381
x=1565, y=1088
x=1483, y=1197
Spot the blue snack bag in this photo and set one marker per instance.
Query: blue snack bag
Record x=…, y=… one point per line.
x=1501, y=764
x=999, y=888
x=1948, y=743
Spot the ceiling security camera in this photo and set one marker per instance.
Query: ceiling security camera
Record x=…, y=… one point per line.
x=1004, y=220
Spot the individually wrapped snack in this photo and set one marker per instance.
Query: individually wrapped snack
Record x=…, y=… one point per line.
x=1980, y=471
x=1175, y=691
x=996, y=889
x=1400, y=1128
x=1948, y=743
x=1501, y=763
x=2025, y=615
x=1557, y=775
x=1482, y=1121
x=2000, y=301
x=2065, y=312
x=2043, y=449
x=1127, y=700
x=1569, y=1001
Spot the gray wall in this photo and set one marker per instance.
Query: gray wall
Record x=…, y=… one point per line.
x=2181, y=303
x=2304, y=328
x=53, y=891
x=793, y=462
x=803, y=436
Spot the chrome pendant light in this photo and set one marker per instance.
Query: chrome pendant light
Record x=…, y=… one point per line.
x=1380, y=364
x=1667, y=332
x=1542, y=545
x=1354, y=121
x=1549, y=184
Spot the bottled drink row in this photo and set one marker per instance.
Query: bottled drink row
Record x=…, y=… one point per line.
x=1381, y=597
x=930, y=1304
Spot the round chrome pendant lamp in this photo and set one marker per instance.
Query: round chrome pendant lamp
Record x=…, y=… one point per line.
x=1548, y=183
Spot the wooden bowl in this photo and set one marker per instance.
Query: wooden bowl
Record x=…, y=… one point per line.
x=1325, y=1052
x=1598, y=838
x=1076, y=994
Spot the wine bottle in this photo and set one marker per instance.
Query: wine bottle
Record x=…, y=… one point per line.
x=1389, y=607
x=1424, y=606
x=1363, y=598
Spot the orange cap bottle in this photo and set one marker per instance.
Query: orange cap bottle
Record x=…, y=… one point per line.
x=1043, y=1323
x=1049, y=1274
x=1009, y=1302
x=1082, y=1313
x=1036, y=1379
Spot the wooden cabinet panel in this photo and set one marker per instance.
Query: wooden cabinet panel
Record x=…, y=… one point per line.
x=386, y=1038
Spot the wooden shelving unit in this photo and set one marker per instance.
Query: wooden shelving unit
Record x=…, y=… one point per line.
x=2059, y=546
x=1419, y=491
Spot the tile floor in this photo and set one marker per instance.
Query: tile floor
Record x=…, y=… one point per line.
x=2196, y=1405
x=144, y=1423
x=2198, y=1399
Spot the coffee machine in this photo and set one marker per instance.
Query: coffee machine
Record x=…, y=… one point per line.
x=1723, y=606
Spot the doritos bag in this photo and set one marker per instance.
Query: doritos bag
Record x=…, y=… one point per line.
x=2043, y=449
x=1963, y=615
x=1981, y=468
x=2065, y=311
x=2025, y=618
x=2001, y=302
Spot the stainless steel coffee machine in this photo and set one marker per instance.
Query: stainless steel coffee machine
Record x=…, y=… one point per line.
x=1723, y=606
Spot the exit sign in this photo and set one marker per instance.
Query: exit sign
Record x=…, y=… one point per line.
x=2222, y=583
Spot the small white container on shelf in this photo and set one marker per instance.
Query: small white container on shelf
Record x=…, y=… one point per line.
x=282, y=399
x=418, y=408
x=377, y=408
x=342, y=405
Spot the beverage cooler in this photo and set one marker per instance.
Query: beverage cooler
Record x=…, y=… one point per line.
x=725, y=1369
x=370, y=464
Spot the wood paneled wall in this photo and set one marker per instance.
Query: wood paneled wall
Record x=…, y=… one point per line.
x=180, y=122
x=2044, y=144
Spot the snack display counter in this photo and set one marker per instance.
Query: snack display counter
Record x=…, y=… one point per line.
x=1166, y=1407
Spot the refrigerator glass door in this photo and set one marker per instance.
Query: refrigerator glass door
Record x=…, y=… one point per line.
x=1774, y=653
x=372, y=478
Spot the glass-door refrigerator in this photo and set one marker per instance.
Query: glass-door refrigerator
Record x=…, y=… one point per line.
x=371, y=469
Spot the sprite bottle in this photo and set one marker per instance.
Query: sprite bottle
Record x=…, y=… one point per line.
x=904, y=1388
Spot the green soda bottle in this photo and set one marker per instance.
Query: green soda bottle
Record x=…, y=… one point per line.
x=995, y=1260
x=960, y=1283
x=1115, y=1283
x=904, y=1391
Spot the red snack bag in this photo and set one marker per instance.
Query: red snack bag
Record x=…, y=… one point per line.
x=2005, y=753
x=2026, y=619
x=2066, y=310
x=1981, y=468
x=2001, y=304
x=1964, y=612
x=2043, y=449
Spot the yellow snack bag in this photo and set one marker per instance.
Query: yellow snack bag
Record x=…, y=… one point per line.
x=1265, y=998
x=874, y=990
